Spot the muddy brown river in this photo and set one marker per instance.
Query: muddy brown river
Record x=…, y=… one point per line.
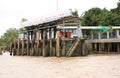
x=92, y=66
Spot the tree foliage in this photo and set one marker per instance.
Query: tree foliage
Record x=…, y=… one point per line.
x=9, y=36
x=97, y=16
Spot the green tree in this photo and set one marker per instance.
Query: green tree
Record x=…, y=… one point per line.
x=9, y=36
x=92, y=17
x=116, y=15
x=75, y=13
x=97, y=16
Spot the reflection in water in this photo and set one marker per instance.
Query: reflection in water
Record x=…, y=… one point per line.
x=93, y=66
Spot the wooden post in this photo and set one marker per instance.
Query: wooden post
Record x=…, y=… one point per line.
x=117, y=32
x=50, y=37
x=44, y=35
x=54, y=45
x=32, y=44
x=23, y=45
x=109, y=46
x=18, y=48
x=28, y=43
x=108, y=35
x=99, y=35
x=95, y=44
x=58, y=44
x=54, y=32
x=83, y=47
x=99, y=45
x=92, y=36
x=63, y=49
x=14, y=49
x=11, y=46
x=38, y=43
x=102, y=47
x=118, y=47
x=0, y=50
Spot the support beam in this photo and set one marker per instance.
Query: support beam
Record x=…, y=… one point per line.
x=38, y=43
x=58, y=44
x=99, y=35
x=44, y=35
x=117, y=31
x=108, y=36
x=18, y=48
x=23, y=45
x=14, y=49
x=28, y=43
x=63, y=48
x=118, y=46
x=32, y=44
x=50, y=38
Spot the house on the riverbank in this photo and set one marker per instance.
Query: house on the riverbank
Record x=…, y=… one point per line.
x=61, y=34
x=103, y=39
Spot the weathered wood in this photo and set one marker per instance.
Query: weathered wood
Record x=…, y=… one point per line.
x=73, y=47
x=28, y=44
x=44, y=35
x=0, y=50
x=83, y=47
x=11, y=46
x=18, y=48
x=109, y=47
x=55, y=29
x=50, y=38
x=100, y=47
x=32, y=44
x=58, y=45
x=23, y=45
x=95, y=46
x=38, y=44
x=14, y=49
x=118, y=46
x=64, y=45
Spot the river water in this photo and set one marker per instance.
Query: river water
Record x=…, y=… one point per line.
x=92, y=66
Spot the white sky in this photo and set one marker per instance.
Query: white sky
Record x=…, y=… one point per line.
x=12, y=11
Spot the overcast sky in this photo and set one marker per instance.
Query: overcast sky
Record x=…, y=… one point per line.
x=12, y=11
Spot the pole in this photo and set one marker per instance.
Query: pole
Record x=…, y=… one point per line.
x=57, y=5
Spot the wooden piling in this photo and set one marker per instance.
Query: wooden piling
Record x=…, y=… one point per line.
x=38, y=44
x=44, y=35
x=58, y=45
x=50, y=38
x=32, y=45
x=28, y=44
x=14, y=49
x=23, y=45
x=11, y=46
x=64, y=45
x=83, y=47
x=118, y=47
x=18, y=48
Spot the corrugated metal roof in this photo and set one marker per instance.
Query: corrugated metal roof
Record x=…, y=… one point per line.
x=85, y=27
x=47, y=18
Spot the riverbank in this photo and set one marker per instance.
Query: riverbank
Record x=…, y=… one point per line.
x=92, y=66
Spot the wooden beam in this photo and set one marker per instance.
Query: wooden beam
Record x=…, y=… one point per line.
x=50, y=37
x=38, y=43
x=23, y=45
x=28, y=43
x=32, y=44
x=58, y=44
x=44, y=35
x=18, y=48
